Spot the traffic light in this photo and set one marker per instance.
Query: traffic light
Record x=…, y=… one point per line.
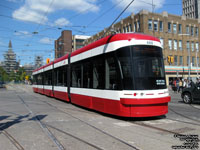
x=47, y=60
x=170, y=59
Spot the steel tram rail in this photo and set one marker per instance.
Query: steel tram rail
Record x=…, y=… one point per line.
x=12, y=140
x=105, y=133
x=42, y=125
x=46, y=127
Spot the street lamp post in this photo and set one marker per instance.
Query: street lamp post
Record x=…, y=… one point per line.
x=197, y=65
x=188, y=49
x=189, y=63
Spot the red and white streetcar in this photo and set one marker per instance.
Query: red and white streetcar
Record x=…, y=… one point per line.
x=121, y=74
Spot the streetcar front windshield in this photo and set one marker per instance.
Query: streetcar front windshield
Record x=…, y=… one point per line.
x=142, y=67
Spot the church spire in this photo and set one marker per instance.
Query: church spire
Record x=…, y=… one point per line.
x=10, y=45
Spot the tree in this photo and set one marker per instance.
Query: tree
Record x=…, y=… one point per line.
x=3, y=75
x=20, y=74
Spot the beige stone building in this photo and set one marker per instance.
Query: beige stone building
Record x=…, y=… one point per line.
x=179, y=37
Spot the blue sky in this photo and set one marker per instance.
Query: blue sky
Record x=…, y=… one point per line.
x=33, y=25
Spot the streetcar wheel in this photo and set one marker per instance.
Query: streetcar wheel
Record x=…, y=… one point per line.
x=187, y=98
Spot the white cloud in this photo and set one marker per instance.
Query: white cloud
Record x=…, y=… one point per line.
x=47, y=40
x=136, y=6
x=26, y=14
x=61, y=22
x=36, y=10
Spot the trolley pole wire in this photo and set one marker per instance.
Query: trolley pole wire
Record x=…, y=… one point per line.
x=117, y=18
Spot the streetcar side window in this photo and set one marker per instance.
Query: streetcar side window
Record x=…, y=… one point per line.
x=45, y=78
x=55, y=77
x=87, y=74
x=65, y=75
x=40, y=79
x=111, y=75
x=35, y=79
x=123, y=55
x=98, y=73
x=48, y=77
x=76, y=75
x=60, y=75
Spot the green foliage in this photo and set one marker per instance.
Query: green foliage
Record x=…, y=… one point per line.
x=13, y=76
x=3, y=75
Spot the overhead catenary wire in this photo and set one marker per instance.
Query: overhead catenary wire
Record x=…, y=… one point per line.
x=118, y=17
x=45, y=14
x=98, y=17
x=54, y=27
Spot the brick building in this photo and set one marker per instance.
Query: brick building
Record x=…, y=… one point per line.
x=179, y=37
x=67, y=43
x=63, y=45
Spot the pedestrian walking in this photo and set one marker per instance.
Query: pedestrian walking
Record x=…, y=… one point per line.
x=180, y=86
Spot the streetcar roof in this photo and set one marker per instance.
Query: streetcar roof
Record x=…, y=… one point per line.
x=103, y=41
x=113, y=38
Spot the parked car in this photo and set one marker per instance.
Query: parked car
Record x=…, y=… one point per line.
x=191, y=94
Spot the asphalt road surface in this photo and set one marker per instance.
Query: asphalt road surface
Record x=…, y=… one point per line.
x=30, y=121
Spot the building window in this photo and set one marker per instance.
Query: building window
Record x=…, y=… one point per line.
x=197, y=46
x=155, y=24
x=188, y=60
x=180, y=28
x=124, y=29
x=198, y=60
x=193, y=61
x=192, y=30
x=175, y=44
x=170, y=44
x=180, y=60
x=188, y=45
x=180, y=45
x=127, y=28
x=187, y=30
x=192, y=46
x=138, y=26
x=169, y=27
x=174, y=28
x=135, y=26
x=175, y=60
x=162, y=42
x=197, y=31
x=161, y=26
x=150, y=24
x=130, y=27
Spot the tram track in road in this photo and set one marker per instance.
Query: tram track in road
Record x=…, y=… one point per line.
x=101, y=131
x=77, y=138
x=187, y=117
x=43, y=126
x=12, y=140
x=194, y=106
x=88, y=124
x=47, y=126
x=162, y=130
